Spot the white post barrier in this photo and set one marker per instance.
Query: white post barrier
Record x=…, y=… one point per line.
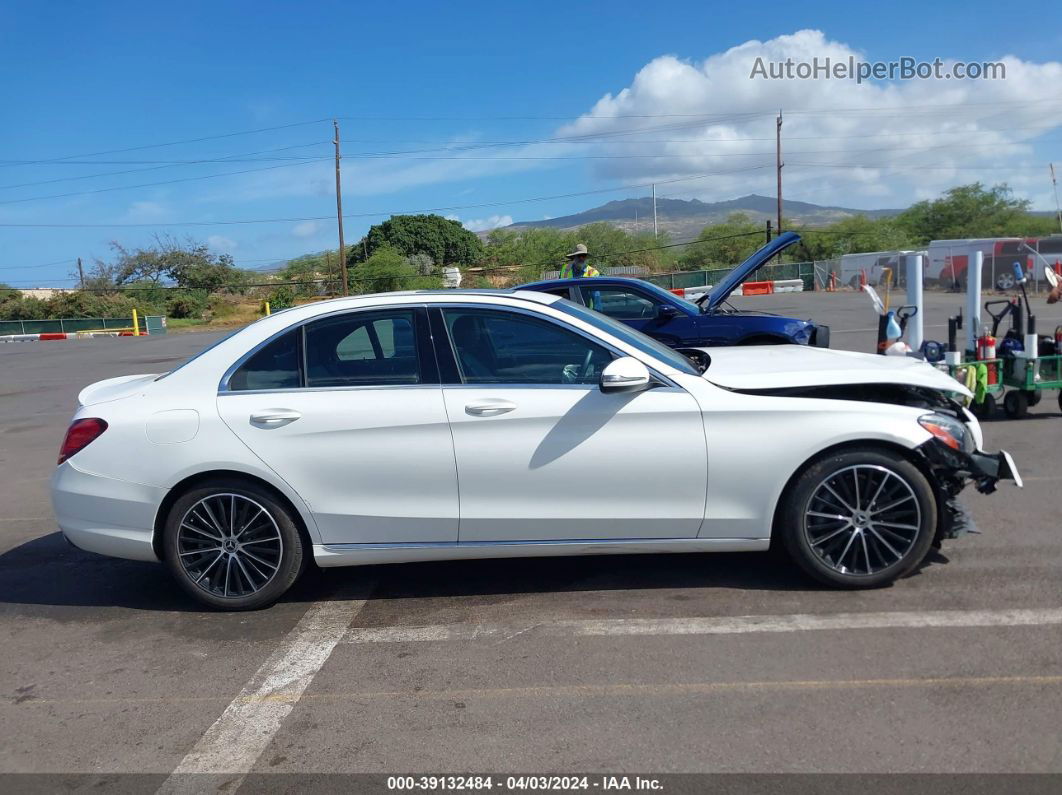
x=973, y=300
x=915, y=327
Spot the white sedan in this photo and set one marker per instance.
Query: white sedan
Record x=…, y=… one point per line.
x=478, y=424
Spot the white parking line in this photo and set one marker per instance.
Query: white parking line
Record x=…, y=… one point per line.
x=728, y=625
x=236, y=739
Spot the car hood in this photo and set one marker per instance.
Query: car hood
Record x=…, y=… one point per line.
x=759, y=367
x=729, y=283
x=114, y=388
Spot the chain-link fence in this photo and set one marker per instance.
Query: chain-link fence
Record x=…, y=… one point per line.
x=148, y=325
x=805, y=271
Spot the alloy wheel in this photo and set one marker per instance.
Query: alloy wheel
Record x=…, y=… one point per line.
x=229, y=545
x=862, y=519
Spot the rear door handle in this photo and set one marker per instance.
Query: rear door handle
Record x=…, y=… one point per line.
x=274, y=418
x=490, y=408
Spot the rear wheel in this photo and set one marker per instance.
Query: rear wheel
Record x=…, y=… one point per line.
x=859, y=519
x=1015, y=404
x=233, y=546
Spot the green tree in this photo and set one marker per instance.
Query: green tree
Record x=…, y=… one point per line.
x=967, y=211
x=386, y=270
x=851, y=235
x=187, y=263
x=724, y=244
x=445, y=241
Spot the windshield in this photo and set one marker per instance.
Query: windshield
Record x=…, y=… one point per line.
x=624, y=332
x=671, y=298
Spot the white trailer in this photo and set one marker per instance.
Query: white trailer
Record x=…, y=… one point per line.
x=948, y=260
x=873, y=264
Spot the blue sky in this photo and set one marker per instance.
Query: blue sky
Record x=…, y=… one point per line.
x=629, y=93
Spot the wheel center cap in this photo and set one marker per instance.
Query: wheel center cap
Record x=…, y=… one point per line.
x=860, y=519
x=229, y=545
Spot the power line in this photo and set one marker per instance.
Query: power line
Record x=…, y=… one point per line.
x=165, y=182
x=376, y=214
x=242, y=158
x=170, y=143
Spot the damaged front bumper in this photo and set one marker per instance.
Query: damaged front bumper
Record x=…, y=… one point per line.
x=985, y=469
x=951, y=469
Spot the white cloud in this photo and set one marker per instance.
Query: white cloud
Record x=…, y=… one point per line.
x=483, y=224
x=873, y=144
x=885, y=142
x=220, y=243
x=306, y=229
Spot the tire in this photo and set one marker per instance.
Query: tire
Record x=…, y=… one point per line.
x=1060, y=400
x=209, y=554
x=832, y=550
x=1032, y=397
x=1015, y=404
x=985, y=409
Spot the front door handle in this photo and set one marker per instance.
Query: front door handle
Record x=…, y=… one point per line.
x=490, y=408
x=274, y=418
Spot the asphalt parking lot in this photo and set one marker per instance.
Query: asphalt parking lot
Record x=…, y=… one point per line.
x=724, y=663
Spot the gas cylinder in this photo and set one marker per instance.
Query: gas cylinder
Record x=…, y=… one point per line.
x=986, y=346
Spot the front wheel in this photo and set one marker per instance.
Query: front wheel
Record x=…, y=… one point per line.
x=232, y=546
x=859, y=519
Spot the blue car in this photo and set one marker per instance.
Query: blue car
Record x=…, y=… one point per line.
x=680, y=323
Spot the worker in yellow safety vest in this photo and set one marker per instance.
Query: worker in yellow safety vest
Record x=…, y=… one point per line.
x=577, y=267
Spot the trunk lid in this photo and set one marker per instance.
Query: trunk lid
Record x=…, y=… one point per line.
x=114, y=388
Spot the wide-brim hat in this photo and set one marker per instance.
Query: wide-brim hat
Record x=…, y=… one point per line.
x=580, y=251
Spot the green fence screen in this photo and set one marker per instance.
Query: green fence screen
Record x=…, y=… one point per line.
x=153, y=324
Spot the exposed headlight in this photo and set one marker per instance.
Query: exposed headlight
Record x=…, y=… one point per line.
x=948, y=431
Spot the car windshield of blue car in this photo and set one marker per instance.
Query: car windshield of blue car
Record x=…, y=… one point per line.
x=670, y=297
x=624, y=332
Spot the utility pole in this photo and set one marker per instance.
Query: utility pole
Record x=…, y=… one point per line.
x=778, y=165
x=656, y=232
x=81, y=273
x=339, y=213
x=768, y=230
x=1054, y=184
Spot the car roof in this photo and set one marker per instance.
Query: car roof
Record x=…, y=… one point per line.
x=583, y=280
x=428, y=296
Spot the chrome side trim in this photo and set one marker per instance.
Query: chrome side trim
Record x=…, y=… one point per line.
x=329, y=555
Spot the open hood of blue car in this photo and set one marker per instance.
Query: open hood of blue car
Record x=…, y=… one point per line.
x=730, y=282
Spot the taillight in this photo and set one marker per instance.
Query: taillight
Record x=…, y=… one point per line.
x=79, y=435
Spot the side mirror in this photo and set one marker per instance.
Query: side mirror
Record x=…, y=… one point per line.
x=665, y=312
x=626, y=374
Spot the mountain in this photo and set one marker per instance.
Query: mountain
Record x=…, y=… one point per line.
x=685, y=218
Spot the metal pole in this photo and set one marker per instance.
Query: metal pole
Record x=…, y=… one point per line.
x=778, y=164
x=913, y=275
x=339, y=213
x=655, y=230
x=1054, y=184
x=81, y=273
x=973, y=300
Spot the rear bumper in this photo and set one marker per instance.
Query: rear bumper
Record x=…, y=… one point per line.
x=104, y=515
